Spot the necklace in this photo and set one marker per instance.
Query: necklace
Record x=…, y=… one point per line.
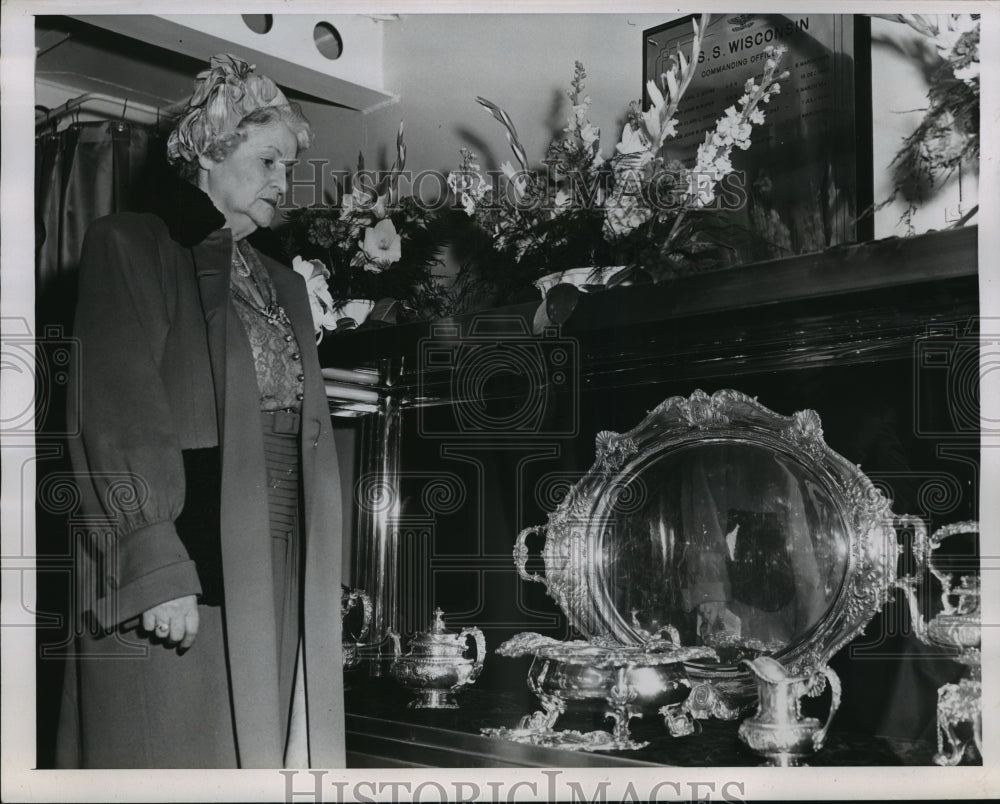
x=240, y=262
x=268, y=306
x=274, y=313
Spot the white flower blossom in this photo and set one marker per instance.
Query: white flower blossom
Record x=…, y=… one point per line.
x=969, y=73
x=632, y=142
x=562, y=202
x=651, y=117
x=951, y=28
x=516, y=178
x=469, y=187
x=360, y=200
x=315, y=275
x=382, y=245
x=707, y=150
x=624, y=214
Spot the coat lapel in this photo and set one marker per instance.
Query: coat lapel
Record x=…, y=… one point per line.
x=323, y=535
x=246, y=548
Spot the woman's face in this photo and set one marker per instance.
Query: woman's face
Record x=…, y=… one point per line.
x=247, y=185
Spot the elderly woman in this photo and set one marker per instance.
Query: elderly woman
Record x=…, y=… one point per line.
x=209, y=572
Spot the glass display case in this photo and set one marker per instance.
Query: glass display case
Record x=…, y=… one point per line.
x=461, y=434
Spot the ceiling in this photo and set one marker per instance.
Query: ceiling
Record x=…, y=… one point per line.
x=152, y=59
x=89, y=59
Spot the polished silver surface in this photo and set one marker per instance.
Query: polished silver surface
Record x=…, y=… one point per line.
x=778, y=731
x=377, y=498
x=627, y=681
x=349, y=601
x=956, y=627
x=734, y=525
x=436, y=665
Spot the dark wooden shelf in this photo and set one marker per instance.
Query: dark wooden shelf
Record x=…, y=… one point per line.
x=383, y=732
x=858, y=273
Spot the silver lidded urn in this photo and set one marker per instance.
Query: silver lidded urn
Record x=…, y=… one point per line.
x=436, y=664
x=956, y=627
x=778, y=731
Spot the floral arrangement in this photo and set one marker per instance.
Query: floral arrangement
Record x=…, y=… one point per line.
x=550, y=220
x=640, y=208
x=661, y=213
x=947, y=137
x=370, y=244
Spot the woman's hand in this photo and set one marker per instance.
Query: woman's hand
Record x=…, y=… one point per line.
x=175, y=621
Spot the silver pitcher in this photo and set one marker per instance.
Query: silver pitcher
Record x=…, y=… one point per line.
x=436, y=665
x=778, y=731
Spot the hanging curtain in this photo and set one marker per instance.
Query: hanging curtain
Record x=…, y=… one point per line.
x=86, y=171
x=81, y=173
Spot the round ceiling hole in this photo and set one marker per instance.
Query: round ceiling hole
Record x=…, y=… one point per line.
x=258, y=23
x=327, y=40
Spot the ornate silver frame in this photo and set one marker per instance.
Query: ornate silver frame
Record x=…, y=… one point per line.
x=573, y=534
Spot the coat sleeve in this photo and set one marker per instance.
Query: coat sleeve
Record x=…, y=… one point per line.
x=128, y=453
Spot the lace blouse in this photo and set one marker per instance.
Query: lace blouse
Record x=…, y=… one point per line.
x=276, y=356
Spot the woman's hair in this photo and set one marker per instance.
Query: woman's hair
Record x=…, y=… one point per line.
x=229, y=98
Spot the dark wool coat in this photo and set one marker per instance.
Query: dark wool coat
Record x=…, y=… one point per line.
x=171, y=470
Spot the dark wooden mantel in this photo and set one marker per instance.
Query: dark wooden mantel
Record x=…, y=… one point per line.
x=934, y=265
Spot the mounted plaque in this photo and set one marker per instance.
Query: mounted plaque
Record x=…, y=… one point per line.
x=808, y=171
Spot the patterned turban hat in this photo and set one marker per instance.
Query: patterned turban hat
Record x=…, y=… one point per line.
x=225, y=95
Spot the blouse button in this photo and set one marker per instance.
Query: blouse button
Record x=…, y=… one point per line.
x=300, y=377
x=299, y=396
x=288, y=338
x=295, y=355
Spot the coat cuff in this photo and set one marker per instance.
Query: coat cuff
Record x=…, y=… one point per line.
x=150, y=566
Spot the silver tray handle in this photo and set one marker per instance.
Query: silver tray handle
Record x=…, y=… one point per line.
x=477, y=668
x=521, y=554
x=351, y=600
x=920, y=549
x=819, y=737
x=366, y=609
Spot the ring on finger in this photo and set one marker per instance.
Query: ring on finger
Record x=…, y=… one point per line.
x=162, y=628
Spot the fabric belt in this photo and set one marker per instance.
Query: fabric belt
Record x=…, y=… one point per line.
x=281, y=422
x=198, y=525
